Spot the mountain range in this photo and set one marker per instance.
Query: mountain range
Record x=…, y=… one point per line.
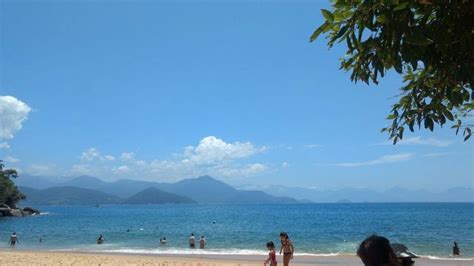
x=206, y=189
x=394, y=194
x=92, y=190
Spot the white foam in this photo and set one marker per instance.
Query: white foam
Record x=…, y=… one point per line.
x=450, y=258
x=205, y=252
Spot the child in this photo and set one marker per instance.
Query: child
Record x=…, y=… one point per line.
x=287, y=248
x=271, y=255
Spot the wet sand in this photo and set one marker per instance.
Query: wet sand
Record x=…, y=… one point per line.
x=15, y=257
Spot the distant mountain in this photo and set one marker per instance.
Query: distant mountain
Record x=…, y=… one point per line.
x=85, y=181
x=66, y=196
x=121, y=188
x=155, y=196
x=204, y=189
x=395, y=194
x=257, y=197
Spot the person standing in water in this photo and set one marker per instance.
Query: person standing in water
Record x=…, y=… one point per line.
x=202, y=242
x=163, y=241
x=101, y=239
x=13, y=240
x=271, y=255
x=456, y=251
x=287, y=248
x=192, y=241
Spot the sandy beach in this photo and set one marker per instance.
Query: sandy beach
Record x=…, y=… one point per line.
x=8, y=257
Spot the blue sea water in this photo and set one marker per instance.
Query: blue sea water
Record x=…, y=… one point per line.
x=428, y=229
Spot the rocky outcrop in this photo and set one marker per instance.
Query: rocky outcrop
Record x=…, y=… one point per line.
x=6, y=211
x=31, y=211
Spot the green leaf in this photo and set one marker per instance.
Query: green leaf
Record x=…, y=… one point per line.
x=448, y=115
x=317, y=32
x=429, y=123
x=327, y=15
x=401, y=6
x=342, y=31
x=467, y=137
x=382, y=19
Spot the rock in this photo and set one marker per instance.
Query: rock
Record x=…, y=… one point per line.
x=31, y=211
x=6, y=211
x=4, y=206
x=16, y=213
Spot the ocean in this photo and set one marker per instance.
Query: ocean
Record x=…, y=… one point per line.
x=428, y=229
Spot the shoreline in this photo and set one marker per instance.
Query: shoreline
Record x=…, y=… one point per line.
x=42, y=257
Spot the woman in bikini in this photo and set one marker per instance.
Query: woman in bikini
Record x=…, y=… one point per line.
x=287, y=248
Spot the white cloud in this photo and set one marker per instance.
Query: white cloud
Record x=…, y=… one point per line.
x=109, y=158
x=212, y=156
x=243, y=171
x=13, y=113
x=9, y=159
x=312, y=146
x=381, y=160
x=90, y=154
x=211, y=150
x=427, y=141
x=285, y=164
x=127, y=156
x=93, y=154
x=82, y=169
x=420, y=141
x=42, y=169
x=4, y=145
x=123, y=169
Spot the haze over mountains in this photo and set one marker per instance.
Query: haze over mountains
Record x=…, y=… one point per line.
x=395, y=194
x=203, y=189
x=206, y=189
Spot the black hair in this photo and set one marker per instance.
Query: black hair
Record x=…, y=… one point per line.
x=284, y=234
x=376, y=250
x=270, y=244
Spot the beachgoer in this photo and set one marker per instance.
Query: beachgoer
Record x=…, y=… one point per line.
x=271, y=255
x=192, y=241
x=456, y=249
x=163, y=241
x=202, y=242
x=13, y=240
x=287, y=248
x=375, y=251
x=101, y=239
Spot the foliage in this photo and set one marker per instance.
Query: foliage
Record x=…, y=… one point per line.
x=430, y=42
x=9, y=193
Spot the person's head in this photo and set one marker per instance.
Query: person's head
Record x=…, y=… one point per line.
x=164, y=238
x=376, y=251
x=270, y=245
x=455, y=243
x=284, y=236
x=14, y=233
x=202, y=237
x=192, y=234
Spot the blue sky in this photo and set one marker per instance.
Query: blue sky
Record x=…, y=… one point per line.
x=162, y=90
